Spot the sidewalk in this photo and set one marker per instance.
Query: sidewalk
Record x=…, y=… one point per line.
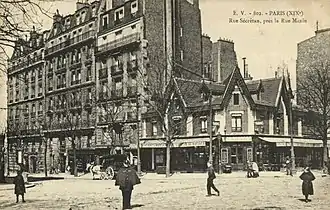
x=11, y=186
x=234, y=174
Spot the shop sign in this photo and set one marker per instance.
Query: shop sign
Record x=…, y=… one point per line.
x=177, y=143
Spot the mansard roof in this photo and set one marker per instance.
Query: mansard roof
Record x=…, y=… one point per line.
x=59, y=22
x=25, y=46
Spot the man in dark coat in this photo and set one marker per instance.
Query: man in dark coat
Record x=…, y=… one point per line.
x=210, y=178
x=19, y=186
x=307, y=186
x=126, y=178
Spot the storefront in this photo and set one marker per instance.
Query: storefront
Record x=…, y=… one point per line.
x=187, y=155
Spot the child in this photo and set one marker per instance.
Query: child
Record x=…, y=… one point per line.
x=19, y=186
x=307, y=186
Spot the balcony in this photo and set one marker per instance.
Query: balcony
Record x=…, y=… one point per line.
x=26, y=64
x=132, y=66
x=131, y=91
x=103, y=73
x=75, y=82
x=75, y=64
x=61, y=68
x=126, y=40
x=117, y=93
x=70, y=42
x=117, y=69
x=59, y=86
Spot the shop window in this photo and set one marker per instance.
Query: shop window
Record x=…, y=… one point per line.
x=224, y=155
x=233, y=156
x=239, y=155
x=249, y=154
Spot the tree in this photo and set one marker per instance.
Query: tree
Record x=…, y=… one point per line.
x=163, y=96
x=112, y=114
x=313, y=87
x=17, y=19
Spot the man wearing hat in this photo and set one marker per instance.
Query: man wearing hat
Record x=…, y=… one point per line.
x=126, y=178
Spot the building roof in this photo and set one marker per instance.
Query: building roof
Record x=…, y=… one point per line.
x=271, y=89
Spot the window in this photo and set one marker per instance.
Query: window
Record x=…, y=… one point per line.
x=236, y=99
x=203, y=124
x=50, y=83
x=119, y=14
x=40, y=107
x=73, y=77
x=133, y=27
x=249, y=154
x=78, y=76
x=33, y=108
x=181, y=31
x=40, y=89
x=181, y=55
x=224, y=155
x=89, y=73
x=236, y=123
x=233, y=155
x=154, y=128
x=134, y=7
x=89, y=94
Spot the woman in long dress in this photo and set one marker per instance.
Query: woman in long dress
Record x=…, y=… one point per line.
x=307, y=186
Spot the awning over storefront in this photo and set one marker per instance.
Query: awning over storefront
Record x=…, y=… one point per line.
x=178, y=143
x=297, y=142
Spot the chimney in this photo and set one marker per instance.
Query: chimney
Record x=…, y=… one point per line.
x=244, y=66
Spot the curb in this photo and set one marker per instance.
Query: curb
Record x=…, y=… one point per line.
x=26, y=187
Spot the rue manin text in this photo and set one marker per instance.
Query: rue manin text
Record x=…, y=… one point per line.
x=275, y=16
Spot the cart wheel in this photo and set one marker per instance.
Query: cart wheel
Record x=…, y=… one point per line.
x=102, y=176
x=110, y=172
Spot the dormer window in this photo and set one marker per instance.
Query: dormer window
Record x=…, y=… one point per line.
x=205, y=97
x=134, y=7
x=119, y=14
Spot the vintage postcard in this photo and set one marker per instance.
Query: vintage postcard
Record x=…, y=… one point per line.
x=164, y=104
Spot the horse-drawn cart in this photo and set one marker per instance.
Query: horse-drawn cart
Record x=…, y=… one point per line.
x=110, y=164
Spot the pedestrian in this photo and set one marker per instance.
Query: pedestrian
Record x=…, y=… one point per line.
x=249, y=169
x=288, y=165
x=126, y=178
x=307, y=186
x=210, y=178
x=19, y=186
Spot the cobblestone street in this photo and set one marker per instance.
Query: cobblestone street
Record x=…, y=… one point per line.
x=181, y=191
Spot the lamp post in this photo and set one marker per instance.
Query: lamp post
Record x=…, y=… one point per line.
x=293, y=161
x=220, y=141
x=210, y=127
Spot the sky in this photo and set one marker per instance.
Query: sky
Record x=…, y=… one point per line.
x=266, y=46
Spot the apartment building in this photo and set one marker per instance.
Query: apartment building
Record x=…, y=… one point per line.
x=87, y=78
x=26, y=102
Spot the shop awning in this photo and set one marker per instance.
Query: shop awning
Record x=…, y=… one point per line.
x=297, y=142
x=178, y=143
